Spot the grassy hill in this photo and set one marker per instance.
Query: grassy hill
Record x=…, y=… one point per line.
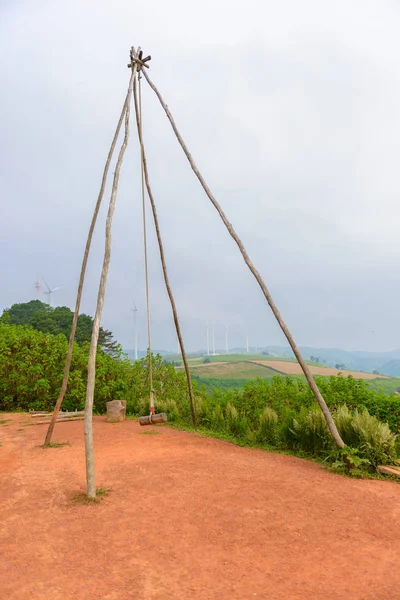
x=234, y=370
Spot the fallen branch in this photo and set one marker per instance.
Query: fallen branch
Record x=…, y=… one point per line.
x=59, y=420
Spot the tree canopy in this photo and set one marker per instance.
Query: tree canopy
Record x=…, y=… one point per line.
x=31, y=372
x=56, y=320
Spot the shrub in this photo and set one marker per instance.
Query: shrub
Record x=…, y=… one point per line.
x=268, y=430
x=375, y=440
x=218, y=419
x=344, y=422
x=32, y=366
x=311, y=432
x=236, y=423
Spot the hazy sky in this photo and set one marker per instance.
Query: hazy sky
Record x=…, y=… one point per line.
x=291, y=110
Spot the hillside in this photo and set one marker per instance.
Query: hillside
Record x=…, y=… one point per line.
x=252, y=366
x=387, y=363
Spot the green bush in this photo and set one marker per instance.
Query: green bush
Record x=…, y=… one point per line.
x=32, y=366
x=279, y=412
x=218, y=419
x=375, y=440
x=235, y=423
x=268, y=430
x=344, y=423
x=310, y=432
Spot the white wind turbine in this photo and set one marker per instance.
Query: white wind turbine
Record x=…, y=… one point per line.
x=213, y=339
x=50, y=291
x=226, y=340
x=135, y=309
x=208, y=341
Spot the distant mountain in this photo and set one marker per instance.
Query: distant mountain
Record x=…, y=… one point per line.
x=391, y=368
x=386, y=363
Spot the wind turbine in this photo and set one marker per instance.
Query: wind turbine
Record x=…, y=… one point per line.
x=135, y=309
x=208, y=341
x=226, y=339
x=213, y=339
x=247, y=341
x=50, y=291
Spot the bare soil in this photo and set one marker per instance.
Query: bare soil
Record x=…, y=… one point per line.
x=188, y=517
x=293, y=368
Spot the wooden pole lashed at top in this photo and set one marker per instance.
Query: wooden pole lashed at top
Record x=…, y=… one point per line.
x=88, y=422
x=307, y=373
x=138, y=111
x=68, y=359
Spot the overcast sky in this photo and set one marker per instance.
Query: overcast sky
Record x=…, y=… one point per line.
x=291, y=110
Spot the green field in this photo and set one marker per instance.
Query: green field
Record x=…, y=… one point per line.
x=235, y=370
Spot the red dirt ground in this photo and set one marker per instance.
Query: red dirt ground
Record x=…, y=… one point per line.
x=187, y=518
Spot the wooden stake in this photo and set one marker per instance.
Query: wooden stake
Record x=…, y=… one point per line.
x=308, y=375
x=88, y=424
x=68, y=359
x=161, y=249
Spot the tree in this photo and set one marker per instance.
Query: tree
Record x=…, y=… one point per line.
x=31, y=371
x=47, y=319
x=340, y=366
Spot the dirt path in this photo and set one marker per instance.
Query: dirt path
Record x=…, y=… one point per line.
x=188, y=518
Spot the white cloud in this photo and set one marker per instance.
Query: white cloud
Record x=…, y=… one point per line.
x=290, y=110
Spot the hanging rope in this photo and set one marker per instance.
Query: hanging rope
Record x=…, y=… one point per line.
x=138, y=110
x=305, y=368
x=146, y=265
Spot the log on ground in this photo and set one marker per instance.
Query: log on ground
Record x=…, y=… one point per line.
x=59, y=420
x=389, y=470
x=157, y=418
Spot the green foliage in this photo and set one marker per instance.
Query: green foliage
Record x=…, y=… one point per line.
x=279, y=412
x=47, y=319
x=31, y=371
x=268, y=431
x=349, y=461
x=282, y=412
x=236, y=423
x=375, y=440
x=344, y=424
x=310, y=432
x=219, y=384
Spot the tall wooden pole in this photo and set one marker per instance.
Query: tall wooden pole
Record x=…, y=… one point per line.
x=68, y=359
x=88, y=421
x=307, y=373
x=162, y=254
